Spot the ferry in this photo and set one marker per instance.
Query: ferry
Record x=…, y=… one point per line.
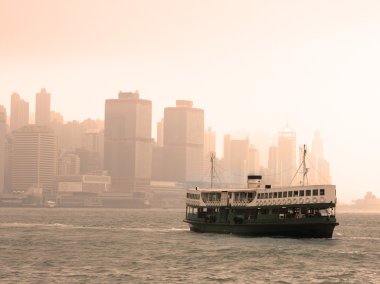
x=304, y=211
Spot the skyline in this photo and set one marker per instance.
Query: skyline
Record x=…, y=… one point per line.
x=317, y=60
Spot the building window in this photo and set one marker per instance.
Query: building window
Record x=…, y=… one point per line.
x=295, y=193
x=285, y=194
x=275, y=195
x=270, y=194
x=308, y=192
x=290, y=193
x=321, y=191
x=302, y=193
x=315, y=192
x=280, y=195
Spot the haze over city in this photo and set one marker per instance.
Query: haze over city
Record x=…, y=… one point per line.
x=251, y=66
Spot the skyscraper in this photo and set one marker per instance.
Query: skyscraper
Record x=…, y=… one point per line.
x=42, y=108
x=19, y=112
x=128, y=142
x=34, y=161
x=3, y=118
x=183, y=142
x=286, y=155
x=235, y=159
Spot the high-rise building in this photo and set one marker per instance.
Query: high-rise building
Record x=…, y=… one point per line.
x=253, y=160
x=19, y=112
x=34, y=161
x=42, y=108
x=286, y=155
x=160, y=133
x=183, y=142
x=319, y=168
x=3, y=118
x=236, y=159
x=272, y=176
x=128, y=142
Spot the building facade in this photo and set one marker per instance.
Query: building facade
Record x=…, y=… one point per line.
x=3, y=118
x=287, y=165
x=34, y=158
x=183, y=142
x=19, y=112
x=128, y=142
x=42, y=108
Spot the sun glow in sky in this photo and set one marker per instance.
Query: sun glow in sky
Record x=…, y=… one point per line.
x=251, y=65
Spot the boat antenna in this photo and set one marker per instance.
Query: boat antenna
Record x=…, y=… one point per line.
x=212, y=161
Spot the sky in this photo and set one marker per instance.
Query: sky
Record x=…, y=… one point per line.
x=253, y=66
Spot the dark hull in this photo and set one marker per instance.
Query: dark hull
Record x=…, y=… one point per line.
x=293, y=230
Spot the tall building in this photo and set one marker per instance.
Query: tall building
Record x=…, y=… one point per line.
x=42, y=108
x=183, y=142
x=272, y=176
x=160, y=133
x=3, y=118
x=128, y=142
x=34, y=161
x=286, y=155
x=19, y=112
x=319, y=171
x=236, y=159
x=253, y=160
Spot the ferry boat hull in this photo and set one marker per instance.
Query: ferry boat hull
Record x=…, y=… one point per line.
x=314, y=229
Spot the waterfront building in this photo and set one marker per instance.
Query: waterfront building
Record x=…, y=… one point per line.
x=42, y=108
x=183, y=142
x=34, y=158
x=128, y=142
x=19, y=112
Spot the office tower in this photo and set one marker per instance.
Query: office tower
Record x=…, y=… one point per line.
x=19, y=112
x=160, y=133
x=287, y=155
x=235, y=159
x=319, y=168
x=34, y=161
x=183, y=142
x=272, y=176
x=42, y=108
x=3, y=118
x=253, y=160
x=128, y=142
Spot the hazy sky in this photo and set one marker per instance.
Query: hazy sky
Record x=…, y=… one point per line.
x=252, y=65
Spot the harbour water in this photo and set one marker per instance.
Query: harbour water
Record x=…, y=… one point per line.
x=154, y=246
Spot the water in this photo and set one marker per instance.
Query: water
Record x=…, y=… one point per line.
x=155, y=246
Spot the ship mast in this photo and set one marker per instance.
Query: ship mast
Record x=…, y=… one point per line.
x=304, y=168
x=212, y=160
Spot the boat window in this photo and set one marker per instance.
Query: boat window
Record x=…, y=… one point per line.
x=275, y=195
x=290, y=193
x=302, y=193
x=295, y=193
x=266, y=195
x=270, y=194
x=321, y=191
x=308, y=192
x=280, y=195
x=285, y=194
x=315, y=192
